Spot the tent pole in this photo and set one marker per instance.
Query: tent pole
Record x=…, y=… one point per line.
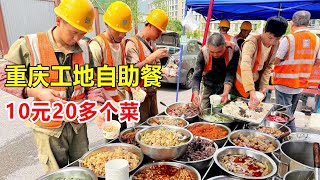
x=279, y=13
x=204, y=40
x=180, y=59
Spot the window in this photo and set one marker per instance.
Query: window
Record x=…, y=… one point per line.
x=215, y=26
x=313, y=22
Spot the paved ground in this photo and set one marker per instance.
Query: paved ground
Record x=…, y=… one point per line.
x=18, y=152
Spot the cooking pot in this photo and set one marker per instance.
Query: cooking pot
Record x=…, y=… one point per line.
x=294, y=155
x=297, y=175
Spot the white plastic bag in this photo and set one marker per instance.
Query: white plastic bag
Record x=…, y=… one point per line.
x=189, y=22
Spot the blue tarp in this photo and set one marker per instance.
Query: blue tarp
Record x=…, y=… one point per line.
x=254, y=9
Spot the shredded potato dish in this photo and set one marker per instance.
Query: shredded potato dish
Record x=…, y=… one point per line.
x=96, y=162
x=161, y=137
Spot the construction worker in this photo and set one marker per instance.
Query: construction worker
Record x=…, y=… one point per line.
x=245, y=30
x=295, y=58
x=215, y=69
x=141, y=50
x=224, y=27
x=107, y=48
x=58, y=142
x=257, y=58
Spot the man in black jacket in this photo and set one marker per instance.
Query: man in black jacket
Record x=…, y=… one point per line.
x=215, y=70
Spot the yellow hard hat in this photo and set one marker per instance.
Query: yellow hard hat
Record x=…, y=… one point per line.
x=159, y=19
x=118, y=16
x=224, y=23
x=78, y=13
x=246, y=25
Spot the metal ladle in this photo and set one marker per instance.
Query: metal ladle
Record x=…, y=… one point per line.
x=273, y=113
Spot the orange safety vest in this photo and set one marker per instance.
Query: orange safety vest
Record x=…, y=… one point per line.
x=257, y=57
x=314, y=80
x=139, y=46
x=228, y=54
x=295, y=70
x=227, y=37
x=107, y=59
x=42, y=52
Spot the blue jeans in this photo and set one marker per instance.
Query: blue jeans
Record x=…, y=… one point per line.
x=287, y=99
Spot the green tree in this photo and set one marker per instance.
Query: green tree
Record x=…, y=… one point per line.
x=288, y=31
x=133, y=4
x=175, y=25
x=194, y=34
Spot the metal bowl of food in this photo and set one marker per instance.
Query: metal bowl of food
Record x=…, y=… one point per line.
x=161, y=142
x=185, y=110
x=253, y=139
x=279, y=117
x=216, y=132
x=70, y=173
x=213, y=117
x=179, y=170
x=128, y=135
x=303, y=136
x=234, y=161
x=95, y=159
x=223, y=178
x=199, y=153
x=275, y=129
x=299, y=174
x=167, y=120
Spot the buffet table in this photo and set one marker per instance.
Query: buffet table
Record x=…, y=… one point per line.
x=213, y=169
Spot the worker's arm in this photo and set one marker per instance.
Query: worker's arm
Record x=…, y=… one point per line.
x=248, y=51
x=230, y=75
x=282, y=51
x=246, y=62
x=18, y=55
x=196, y=80
x=96, y=52
x=132, y=55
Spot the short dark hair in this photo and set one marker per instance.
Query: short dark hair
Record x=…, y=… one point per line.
x=276, y=25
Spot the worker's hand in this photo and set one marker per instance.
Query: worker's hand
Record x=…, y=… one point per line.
x=166, y=72
x=99, y=120
x=160, y=53
x=224, y=98
x=195, y=99
x=254, y=101
x=263, y=91
x=97, y=94
x=44, y=94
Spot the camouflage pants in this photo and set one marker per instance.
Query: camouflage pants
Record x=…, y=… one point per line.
x=55, y=153
x=206, y=92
